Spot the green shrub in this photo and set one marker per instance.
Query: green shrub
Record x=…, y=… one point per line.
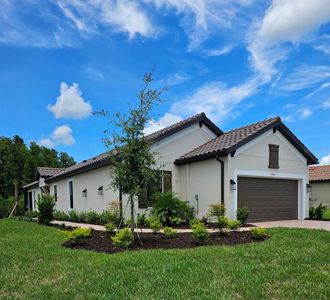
x=199, y=232
x=222, y=223
x=319, y=210
x=258, y=233
x=142, y=219
x=110, y=227
x=122, y=238
x=242, y=214
x=61, y=215
x=127, y=222
x=93, y=217
x=73, y=215
x=31, y=214
x=169, y=232
x=155, y=225
x=216, y=210
x=194, y=221
x=112, y=214
x=6, y=204
x=77, y=235
x=233, y=224
x=46, y=205
x=175, y=220
x=326, y=214
x=168, y=205
x=312, y=212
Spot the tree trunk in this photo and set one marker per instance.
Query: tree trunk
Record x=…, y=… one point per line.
x=131, y=197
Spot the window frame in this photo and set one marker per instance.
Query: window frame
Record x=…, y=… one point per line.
x=55, y=192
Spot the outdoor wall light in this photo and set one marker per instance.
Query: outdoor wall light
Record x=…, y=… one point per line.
x=308, y=188
x=100, y=190
x=233, y=185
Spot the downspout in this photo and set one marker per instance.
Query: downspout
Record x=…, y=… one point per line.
x=222, y=182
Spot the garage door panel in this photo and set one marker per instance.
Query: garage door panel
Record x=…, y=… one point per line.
x=268, y=199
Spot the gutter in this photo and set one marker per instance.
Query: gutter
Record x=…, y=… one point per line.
x=222, y=182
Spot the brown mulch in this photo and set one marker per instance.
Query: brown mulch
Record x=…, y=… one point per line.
x=187, y=226
x=101, y=241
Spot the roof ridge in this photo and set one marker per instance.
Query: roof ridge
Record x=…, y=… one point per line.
x=277, y=118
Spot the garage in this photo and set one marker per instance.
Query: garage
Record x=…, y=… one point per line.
x=268, y=199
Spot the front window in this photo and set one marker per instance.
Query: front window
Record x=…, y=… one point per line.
x=55, y=192
x=163, y=183
x=71, y=194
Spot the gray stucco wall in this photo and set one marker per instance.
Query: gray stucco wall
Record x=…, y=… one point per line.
x=320, y=193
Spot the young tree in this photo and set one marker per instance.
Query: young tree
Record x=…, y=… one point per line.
x=134, y=162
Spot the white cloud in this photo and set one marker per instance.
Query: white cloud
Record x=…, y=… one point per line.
x=216, y=99
x=305, y=76
x=325, y=160
x=167, y=120
x=70, y=103
x=305, y=113
x=62, y=135
x=326, y=104
x=120, y=16
x=219, y=52
x=175, y=79
x=94, y=73
x=293, y=20
x=284, y=21
x=298, y=114
x=47, y=142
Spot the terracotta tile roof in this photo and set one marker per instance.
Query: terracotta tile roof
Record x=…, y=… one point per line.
x=48, y=172
x=201, y=117
x=319, y=173
x=104, y=159
x=227, y=140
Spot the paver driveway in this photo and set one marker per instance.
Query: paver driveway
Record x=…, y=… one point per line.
x=309, y=224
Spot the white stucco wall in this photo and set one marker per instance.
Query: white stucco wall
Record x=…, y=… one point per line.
x=320, y=193
x=36, y=193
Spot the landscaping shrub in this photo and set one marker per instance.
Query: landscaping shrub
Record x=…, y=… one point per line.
x=169, y=232
x=326, y=214
x=122, y=238
x=258, y=233
x=167, y=205
x=73, y=216
x=175, y=220
x=216, y=210
x=46, y=205
x=6, y=204
x=312, y=212
x=242, y=214
x=194, y=221
x=155, y=225
x=142, y=219
x=110, y=227
x=94, y=218
x=234, y=224
x=199, y=232
x=222, y=223
x=319, y=210
x=112, y=214
x=77, y=235
x=61, y=216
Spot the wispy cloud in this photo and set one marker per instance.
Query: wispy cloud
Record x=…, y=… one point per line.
x=298, y=114
x=167, y=120
x=175, y=79
x=325, y=160
x=219, y=52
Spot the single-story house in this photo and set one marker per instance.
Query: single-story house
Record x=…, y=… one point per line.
x=319, y=178
x=262, y=166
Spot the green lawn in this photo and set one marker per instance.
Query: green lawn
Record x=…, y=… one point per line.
x=293, y=264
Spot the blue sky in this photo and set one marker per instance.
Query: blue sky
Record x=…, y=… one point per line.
x=239, y=61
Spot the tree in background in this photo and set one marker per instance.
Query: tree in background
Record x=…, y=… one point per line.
x=19, y=163
x=134, y=162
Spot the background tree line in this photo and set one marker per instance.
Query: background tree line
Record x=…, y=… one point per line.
x=19, y=162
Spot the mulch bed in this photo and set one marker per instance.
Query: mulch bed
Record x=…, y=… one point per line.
x=101, y=241
x=187, y=226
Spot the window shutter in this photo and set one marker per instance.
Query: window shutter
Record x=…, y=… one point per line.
x=273, y=156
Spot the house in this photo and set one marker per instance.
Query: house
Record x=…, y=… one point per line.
x=319, y=178
x=262, y=166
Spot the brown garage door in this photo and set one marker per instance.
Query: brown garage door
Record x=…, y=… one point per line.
x=268, y=199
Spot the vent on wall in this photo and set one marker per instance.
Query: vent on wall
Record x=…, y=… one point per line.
x=84, y=193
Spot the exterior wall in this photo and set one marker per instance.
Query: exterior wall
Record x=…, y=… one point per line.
x=320, y=193
x=91, y=181
x=252, y=160
x=36, y=193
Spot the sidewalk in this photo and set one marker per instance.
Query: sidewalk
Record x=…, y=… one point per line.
x=141, y=230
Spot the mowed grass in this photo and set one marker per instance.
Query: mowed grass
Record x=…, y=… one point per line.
x=293, y=264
